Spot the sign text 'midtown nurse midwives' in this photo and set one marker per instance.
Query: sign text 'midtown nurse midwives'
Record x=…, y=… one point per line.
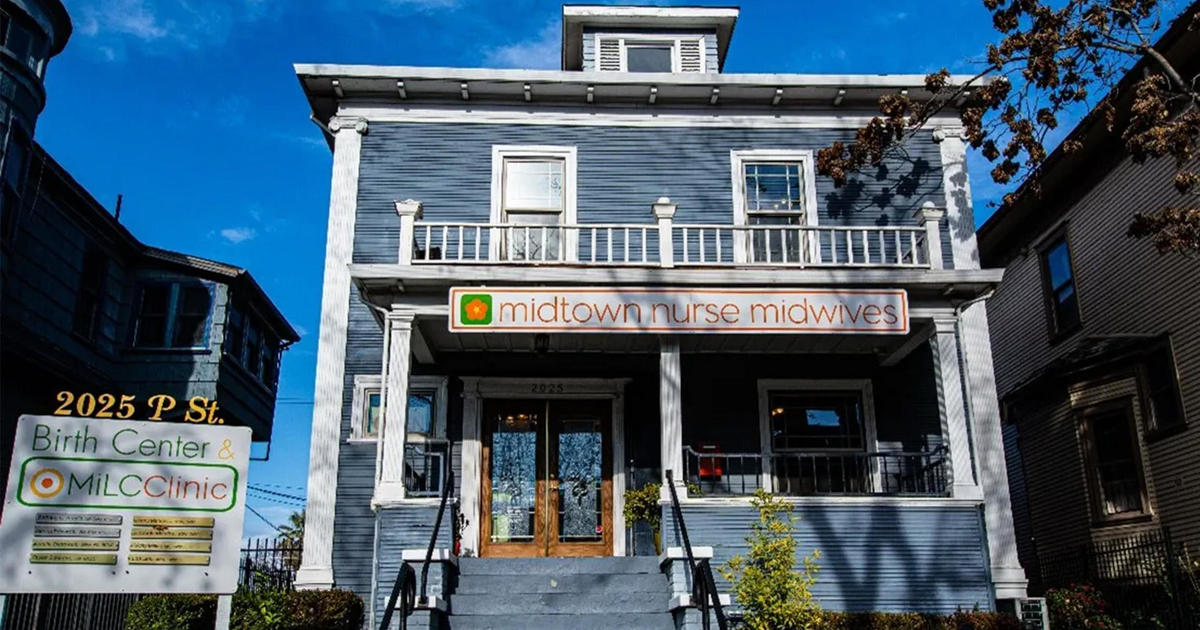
x=716, y=310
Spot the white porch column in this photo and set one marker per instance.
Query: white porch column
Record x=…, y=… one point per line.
x=409, y=211
x=393, y=431
x=664, y=213
x=316, y=567
x=952, y=407
x=670, y=405
x=1008, y=577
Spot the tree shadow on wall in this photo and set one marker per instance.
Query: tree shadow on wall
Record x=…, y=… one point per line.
x=892, y=192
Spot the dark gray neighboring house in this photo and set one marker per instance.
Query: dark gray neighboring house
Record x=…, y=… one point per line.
x=1097, y=353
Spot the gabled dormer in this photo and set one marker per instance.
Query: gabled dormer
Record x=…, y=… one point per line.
x=689, y=40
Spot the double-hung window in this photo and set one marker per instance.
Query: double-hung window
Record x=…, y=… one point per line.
x=774, y=198
x=1160, y=389
x=1114, y=461
x=425, y=446
x=173, y=315
x=1059, y=279
x=533, y=197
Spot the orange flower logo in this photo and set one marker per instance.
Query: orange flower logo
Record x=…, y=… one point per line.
x=476, y=309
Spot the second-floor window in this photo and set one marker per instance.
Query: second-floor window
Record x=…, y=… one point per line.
x=89, y=296
x=774, y=196
x=1161, y=390
x=173, y=315
x=534, y=193
x=252, y=346
x=1059, y=278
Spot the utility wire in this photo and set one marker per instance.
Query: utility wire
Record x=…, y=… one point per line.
x=278, y=494
x=264, y=519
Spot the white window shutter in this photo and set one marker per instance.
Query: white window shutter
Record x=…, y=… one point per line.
x=608, y=58
x=691, y=55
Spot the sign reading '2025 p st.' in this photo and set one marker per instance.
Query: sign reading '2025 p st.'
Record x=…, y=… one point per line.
x=717, y=310
x=104, y=506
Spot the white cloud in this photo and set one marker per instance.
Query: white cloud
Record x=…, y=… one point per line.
x=111, y=27
x=238, y=234
x=542, y=52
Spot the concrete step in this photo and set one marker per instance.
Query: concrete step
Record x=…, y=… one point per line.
x=557, y=566
x=567, y=583
x=559, y=603
x=656, y=621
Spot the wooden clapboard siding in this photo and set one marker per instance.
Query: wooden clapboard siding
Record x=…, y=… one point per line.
x=621, y=171
x=874, y=557
x=1124, y=287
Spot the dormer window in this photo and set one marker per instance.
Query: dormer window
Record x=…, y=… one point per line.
x=632, y=53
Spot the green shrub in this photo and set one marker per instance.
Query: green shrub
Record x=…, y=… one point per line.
x=172, y=612
x=1079, y=607
x=773, y=594
x=252, y=610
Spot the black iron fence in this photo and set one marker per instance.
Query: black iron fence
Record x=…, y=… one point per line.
x=269, y=564
x=819, y=473
x=83, y=611
x=1151, y=582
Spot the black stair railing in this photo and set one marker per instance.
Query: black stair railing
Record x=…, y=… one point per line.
x=404, y=590
x=704, y=586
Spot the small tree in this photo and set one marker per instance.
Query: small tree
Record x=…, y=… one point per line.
x=1055, y=57
x=291, y=537
x=774, y=595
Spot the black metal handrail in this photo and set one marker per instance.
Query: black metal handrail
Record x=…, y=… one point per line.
x=405, y=588
x=704, y=586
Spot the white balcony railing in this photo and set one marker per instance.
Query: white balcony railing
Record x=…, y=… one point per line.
x=669, y=244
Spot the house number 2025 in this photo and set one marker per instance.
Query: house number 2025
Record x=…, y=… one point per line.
x=546, y=388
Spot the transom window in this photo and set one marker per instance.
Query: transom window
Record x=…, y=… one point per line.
x=1060, y=287
x=173, y=315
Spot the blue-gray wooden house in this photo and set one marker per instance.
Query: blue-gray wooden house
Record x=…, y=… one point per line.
x=641, y=166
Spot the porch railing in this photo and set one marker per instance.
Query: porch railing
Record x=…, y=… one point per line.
x=424, y=468
x=669, y=244
x=819, y=473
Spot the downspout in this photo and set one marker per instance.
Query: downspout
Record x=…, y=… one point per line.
x=964, y=367
x=387, y=341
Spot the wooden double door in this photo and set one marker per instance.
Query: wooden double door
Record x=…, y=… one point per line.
x=547, y=478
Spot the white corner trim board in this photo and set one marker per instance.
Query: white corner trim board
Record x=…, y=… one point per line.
x=316, y=568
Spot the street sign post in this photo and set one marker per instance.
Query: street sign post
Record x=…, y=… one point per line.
x=121, y=506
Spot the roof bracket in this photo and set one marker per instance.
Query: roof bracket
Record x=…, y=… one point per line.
x=653, y=94
x=591, y=93
x=778, y=97
x=401, y=90
x=337, y=88
x=716, y=93
x=904, y=93
x=466, y=94
x=837, y=100
x=528, y=93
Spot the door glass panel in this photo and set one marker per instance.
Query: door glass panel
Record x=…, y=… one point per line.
x=580, y=462
x=514, y=475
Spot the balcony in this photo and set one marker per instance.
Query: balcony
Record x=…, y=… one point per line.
x=669, y=244
x=836, y=473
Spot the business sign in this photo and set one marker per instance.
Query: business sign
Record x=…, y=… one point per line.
x=109, y=506
x=618, y=309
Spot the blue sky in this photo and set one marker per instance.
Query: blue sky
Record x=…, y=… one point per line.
x=190, y=108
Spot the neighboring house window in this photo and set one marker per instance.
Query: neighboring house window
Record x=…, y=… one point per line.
x=649, y=53
x=1161, y=390
x=25, y=42
x=1115, y=469
x=173, y=315
x=775, y=193
x=425, y=447
x=12, y=180
x=252, y=347
x=533, y=191
x=89, y=295
x=1060, y=287
x=818, y=433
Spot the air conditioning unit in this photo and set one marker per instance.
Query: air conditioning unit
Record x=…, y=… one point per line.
x=1033, y=614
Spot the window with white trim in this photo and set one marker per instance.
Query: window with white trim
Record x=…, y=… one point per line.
x=649, y=53
x=425, y=446
x=533, y=190
x=775, y=195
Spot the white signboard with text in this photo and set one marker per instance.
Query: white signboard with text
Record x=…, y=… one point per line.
x=719, y=310
x=108, y=506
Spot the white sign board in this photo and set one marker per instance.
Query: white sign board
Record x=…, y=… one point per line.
x=109, y=506
x=718, y=310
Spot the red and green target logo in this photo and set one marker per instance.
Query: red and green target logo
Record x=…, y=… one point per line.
x=46, y=483
x=475, y=309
